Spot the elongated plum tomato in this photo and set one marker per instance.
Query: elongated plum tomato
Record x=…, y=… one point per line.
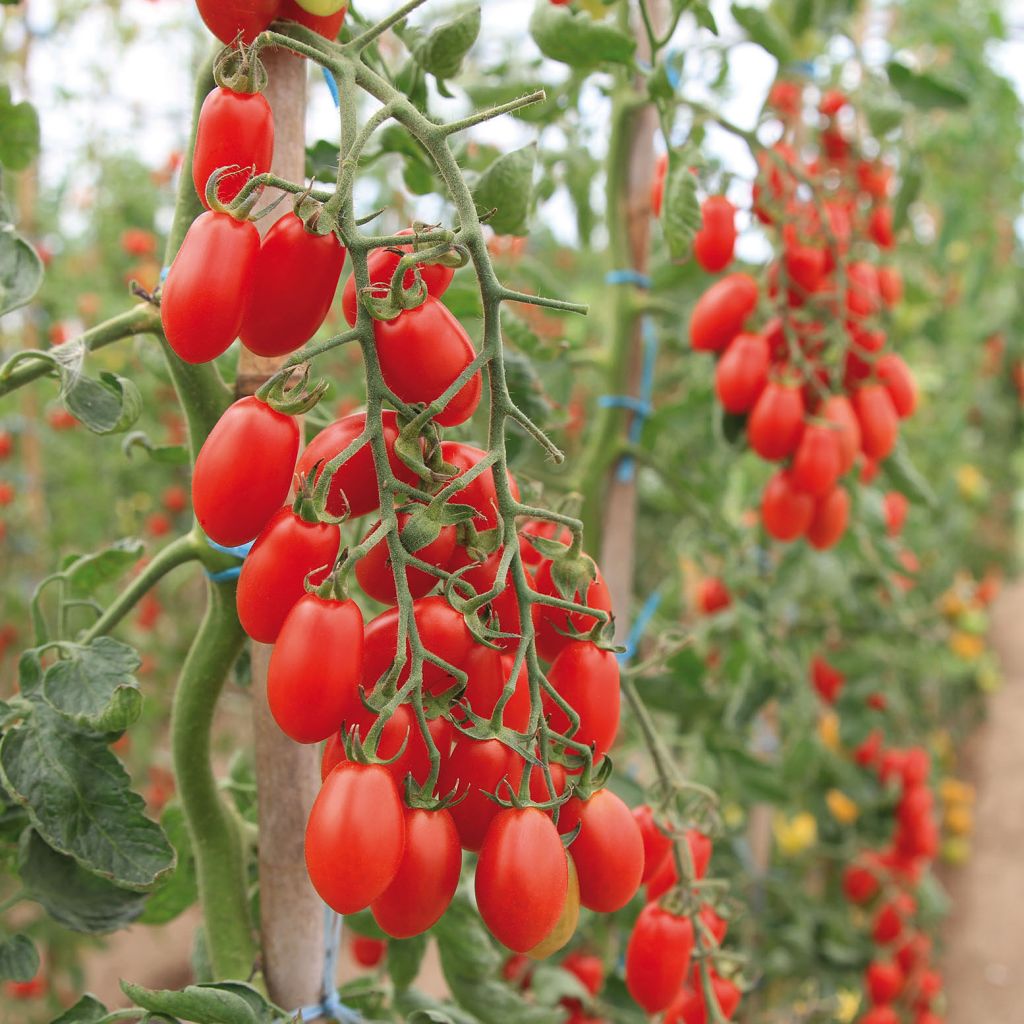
x=879, y=423
x=713, y=596
x=327, y=25
x=658, y=957
x=427, y=875
x=722, y=311
x=480, y=493
x=831, y=515
x=354, y=486
x=235, y=129
x=274, y=573
x=382, y=265
x=587, y=678
x=207, y=288
x=421, y=353
x=689, y=1006
x=660, y=173
x=742, y=372
x=776, y=423
x=522, y=878
x=296, y=276
x=713, y=245
x=863, y=296
x=817, y=462
x=355, y=836
x=608, y=850
x=226, y=18
x=838, y=411
x=827, y=680
x=310, y=695
x=552, y=624
x=895, y=507
x=894, y=373
x=232, y=503
x=785, y=511
x=488, y=671
x=504, y=608
x=657, y=845
x=565, y=926
x=665, y=875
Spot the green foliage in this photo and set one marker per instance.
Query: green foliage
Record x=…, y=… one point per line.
x=19, y=959
x=576, y=39
x=19, y=132
x=507, y=188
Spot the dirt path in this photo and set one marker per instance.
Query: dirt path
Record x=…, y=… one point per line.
x=984, y=959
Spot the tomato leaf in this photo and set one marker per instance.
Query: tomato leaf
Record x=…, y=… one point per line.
x=924, y=89
x=910, y=187
x=19, y=132
x=404, y=959
x=442, y=52
x=21, y=269
x=680, y=213
x=165, y=454
x=88, y=1010
x=179, y=890
x=86, y=573
x=906, y=477
x=109, y=405
x=574, y=38
x=226, y=1002
x=19, y=959
x=507, y=187
x=763, y=29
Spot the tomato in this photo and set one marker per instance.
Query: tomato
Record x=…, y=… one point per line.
x=522, y=878
x=488, y=671
x=890, y=285
x=879, y=422
x=368, y=952
x=274, y=573
x=863, y=297
x=235, y=129
x=226, y=18
x=894, y=373
x=175, y=499
x=608, y=850
x=310, y=695
x=658, y=957
x=880, y=1015
x=202, y=312
x=860, y=884
x=717, y=927
x=888, y=924
x=552, y=623
x=232, y=503
x=540, y=528
x=896, y=507
x=376, y=574
x=504, y=608
x=827, y=680
x=328, y=25
x=660, y=175
x=713, y=245
x=427, y=875
x=480, y=492
x=587, y=678
x=354, y=487
x=31, y=989
x=295, y=278
x=689, y=1006
x=880, y=227
x=884, y=982
x=476, y=767
x=355, y=836
x=382, y=265
x=838, y=411
x=831, y=515
x=713, y=596
x=785, y=97
x=657, y=845
x=7, y=494
x=785, y=512
x=776, y=423
x=587, y=968
x=540, y=792
x=742, y=372
x=805, y=268
x=721, y=312
x=666, y=876
x=818, y=461
x=565, y=926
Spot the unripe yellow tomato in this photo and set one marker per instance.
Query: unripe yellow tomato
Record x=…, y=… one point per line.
x=566, y=924
x=842, y=808
x=322, y=8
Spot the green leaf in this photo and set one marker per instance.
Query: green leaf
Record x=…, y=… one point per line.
x=910, y=187
x=765, y=30
x=404, y=959
x=526, y=387
x=79, y=900
x=680, y=214
x=21, y=270
x=109, y=405
x=165, y=454
x=19, y=132
x=906, y=477
x=179, y=890
x=574, y=38
x=87, y=573
x=78, y=798
x=229, y=1002
x=507, y=187
x=88, y=1010
x=925, y=89
x=19, y=959
x=322, y=160
x=442, y=52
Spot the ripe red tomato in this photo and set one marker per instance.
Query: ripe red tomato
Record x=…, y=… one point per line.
x=880, y=227
x=666, y=876
x=504, y=609
x=234, y=129
x=540, y=791
x=657, y=845
x=7, y=444
x=831, y=515
x=896, y=508
x=776, y=423
x=480, y=493
x=328, y=25
x=658, y=181
x=817, y=462
x=785, y=97
x=608, y=850
x=712, y=596
x=888, y=924
x=226, y=18
x=202, y=313
x=427, y=875
x=522, y=878
x=355, y=836
x=860, y=884
x=890, y=285
x=476, y=767
x=899, y=381
x=884, y=982
x=310, y=695
x=832, y=101
x=587, y=678
x=690, y=1008
x=354, y=487
x=540, y=528
x=879, y=422
x=880, y=1015
x=295, y=278
x=7, y=493
x=785, y=512
x=838, y=411
x=658, y=957
x=805, y=268
x=488, y=671
x=552, y=624
x=175, y=499
x=31, y=989
x=232, y=503
x=713, y=245
x=274, y=573
x=863, y=297
x=368, y=952
x=827, y=680
x=742, y=372
x=721, y=312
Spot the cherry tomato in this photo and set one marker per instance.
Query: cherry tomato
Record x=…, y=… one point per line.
x=776, y=423
x=860, y=884
x=712, y=596
x=880, y=1015
x=817, y=461
x=368, y=952
x=721, y=312
x=666, y=876
x=552, y=624
x=295, y=278
x=274, y=573
x=742, y=372
x=827, y=680
x=31, y=989
x=232, y=503
x=880, y=227
x=713, y=245
x=658, y=957
x=6, y=444
x=890, y=285
x=888, y=924
x=355, y=836
x=488, y=671
x=226, y=18
x=863, y=297
x=894, y=373
x=657, y=845
x=689, y=1006
x=310, y=695
x=587, y=678
x=522, y=878
x=328, y=25
x=879, y=422
x=884, y=982
x=831, y=515
x=175, y=499
x=540, y=528
x=785, y=512
x=838, y=411
x=480, y=493
x=896, y=507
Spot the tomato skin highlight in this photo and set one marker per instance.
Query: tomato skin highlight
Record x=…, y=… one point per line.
x=742, y=373
x=226, y=18
x=274, y=573
x=721, y=312
x=426, y=878
x=309, y=695
x=355, y=836
x=295, y=278
x=522, y=878
x=234, y=128
x=587, y=678
x=232, y=503
x=204, y=297
x=658, y=957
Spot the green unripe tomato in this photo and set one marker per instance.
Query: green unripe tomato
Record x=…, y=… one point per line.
x=322, y=8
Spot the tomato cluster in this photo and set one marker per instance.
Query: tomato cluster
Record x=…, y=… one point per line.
x=813, y=383
x=227, y=19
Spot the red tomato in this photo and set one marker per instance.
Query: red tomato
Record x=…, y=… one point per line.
x=522, y=878
x=658, y=957
x=894, y=373
x=880, y=227
x=888, y=924
x=608, y=850
x=138, y=242
x=540, y=792
x=658, y=181
x=827, y=680
x=488, y=671
x=368, y=952
x=504, y=608
x=817, y=462
x=274, y=573
x=157, y=524
x=7, y=444
x=310, y=695
x=832, y=101
x=713, y=596
x=480, y=493
x=541, y=528
x=427, y=875
x=202, y=312
x=838, y=411
x=7, y=493
x=785, y=97
x=863, y=297
x=717, y=927
x=587, y=678
x=831, y=515
x=689, y=1006
x=355, y=836
x=742, y=372
x=879, y=421
x=880, y=1015
x=295, y=278
x=234, y=129
x=354, y=487
x=860, y=884
x=721, y=312
x=232, y=503
x=713, y=245
x=884, y=982
x=31, y=989
x=175, y=498
x=421, y=353
x=657, y=845
x=805, y=267
x=587, y=968
x=890, y=285
x=896, y=508
x=226, y=18
x=328, y=25
x=552, y=624
x=776, y=423
x=666, y=876
x=785, y=512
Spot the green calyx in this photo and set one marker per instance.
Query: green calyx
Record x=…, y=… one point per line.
x=239, y=68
